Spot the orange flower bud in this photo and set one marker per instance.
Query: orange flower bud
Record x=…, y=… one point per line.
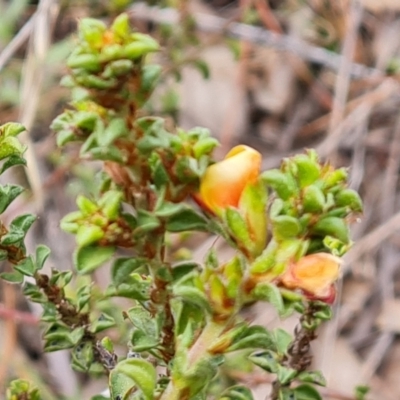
x=314, y=274
x=223, y=182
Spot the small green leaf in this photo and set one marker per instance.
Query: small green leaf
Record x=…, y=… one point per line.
x=349, y=198
x=183, y=269
x=269, y=292
x=202, y=67
x=140, y=373
x=284, y=184
x=12, y=277
x=312, y=377
x=10, y=146
x=307, y=392
x=285, y=375
x=110, y=204
x=42, y=253
x=238, y=226
x=192, y=295
x=204, y=146
x=104, y=322
x=27, y=267
x=252, y=337
x=88, y=234
x=146, y=222
x=285, y=227
x=115, y=129
x=237, y=393
x=282, y=340
x=140, y=341
x=7, y=194
x=187, y=220
x=308, y=170
x=87, y=259
x=12, y=161
x=313, y=199
x=123, y=267
x=361, y=391
x=267, y=360
x=332, y=226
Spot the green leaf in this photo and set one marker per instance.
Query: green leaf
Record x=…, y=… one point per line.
x=237, y=392
x=108, y=153
x=282, y=340
x=88, y=62
x=308, y=170
x=349, y=198
x=167, y=209
x=312, y=377
x=146, y=222
x=104, y=322
x=110, y=204
x=27, y=267
x=88, y=234
x=285, y=227
x=284, y=184
x=187, y=220
x=202, y=67
x=87, y=259
x=307, y=392
x=285, y=375
x=140, y=341
x=269, y=292
x=42, y=253
x=252, y=337
x=143, y=320
x=12, y=161
x=361, y=391
x=192, y=295
x=12, y=277
x=183, y=269
x=313, y=199
x=332, y=226
x=83, y=356
x=83, y=296
x=10, y=146
x=266, y=260
x=204, y=146
x=267, y=360
x=238, y=226
x=11, y=129
x=22, y=222
x=123, y=267
x=141, y=374
x=115, y=129
x=7, y=194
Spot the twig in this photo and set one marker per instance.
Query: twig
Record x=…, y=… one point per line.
x=17, y=41
x=32, y=77
x=214, y=24
x=343, y=77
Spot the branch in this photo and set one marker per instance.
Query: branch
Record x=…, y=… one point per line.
x=213, y=24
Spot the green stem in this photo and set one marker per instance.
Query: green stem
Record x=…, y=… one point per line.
x=199, y=351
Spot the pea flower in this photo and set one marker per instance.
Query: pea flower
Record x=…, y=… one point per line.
x=223, y=182
x=315, y=275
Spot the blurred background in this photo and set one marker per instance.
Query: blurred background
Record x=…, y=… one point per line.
x=278, y=75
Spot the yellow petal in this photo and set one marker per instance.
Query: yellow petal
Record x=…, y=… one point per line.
x=224, y=181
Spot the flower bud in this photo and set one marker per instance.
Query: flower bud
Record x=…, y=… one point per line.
x=223, y=182
x=315, y=275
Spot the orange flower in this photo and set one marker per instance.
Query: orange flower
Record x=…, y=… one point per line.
x=315, y=275
x=223, y=182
